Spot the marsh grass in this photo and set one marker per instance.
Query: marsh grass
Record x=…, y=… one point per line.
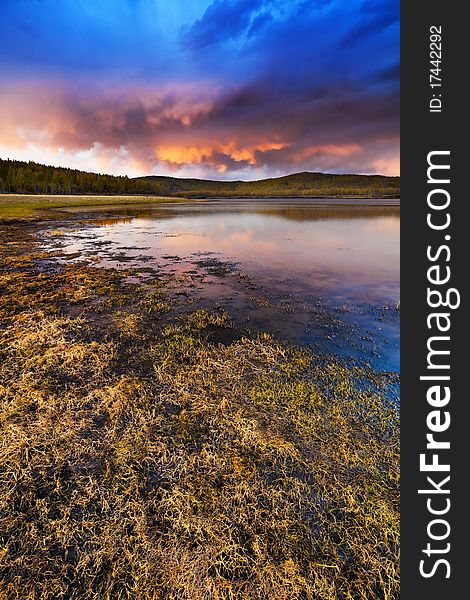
x=141, y=460
x=24, y=206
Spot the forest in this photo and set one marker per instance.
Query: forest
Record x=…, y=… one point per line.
x=18, y=177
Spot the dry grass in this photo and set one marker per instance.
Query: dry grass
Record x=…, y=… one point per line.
x=24, y=206
x=140, y=460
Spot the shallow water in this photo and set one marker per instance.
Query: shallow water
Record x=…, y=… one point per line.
x=320, y=274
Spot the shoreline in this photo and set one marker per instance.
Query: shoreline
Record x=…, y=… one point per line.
x=208, y=197
x=26, y=206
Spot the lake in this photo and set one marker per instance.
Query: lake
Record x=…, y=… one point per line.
x=322, y=273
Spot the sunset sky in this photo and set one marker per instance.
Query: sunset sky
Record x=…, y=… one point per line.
x=224, y=89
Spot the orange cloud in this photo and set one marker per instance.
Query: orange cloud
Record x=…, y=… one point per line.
x=186, y=129
x=336, y=149
x=193, y=154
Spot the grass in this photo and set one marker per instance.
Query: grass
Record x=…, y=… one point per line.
x=19, y=206
x=140, y=459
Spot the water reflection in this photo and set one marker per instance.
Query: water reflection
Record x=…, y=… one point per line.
x=342, y=257
x=353, y=248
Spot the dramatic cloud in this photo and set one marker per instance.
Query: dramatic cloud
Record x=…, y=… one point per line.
x=223, y=89
x=222, y=20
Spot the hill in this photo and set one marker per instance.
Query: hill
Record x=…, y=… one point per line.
x=18, y=177
x=298, y=184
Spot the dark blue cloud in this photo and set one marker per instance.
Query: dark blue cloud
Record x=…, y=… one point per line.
x=389, y=73
x=374, y=17
x=258, y=22
x=223, y=19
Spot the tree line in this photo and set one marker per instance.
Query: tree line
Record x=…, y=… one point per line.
x=18, y=177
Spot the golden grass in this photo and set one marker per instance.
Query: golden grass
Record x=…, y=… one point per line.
x=24, y=206
x=140, y=460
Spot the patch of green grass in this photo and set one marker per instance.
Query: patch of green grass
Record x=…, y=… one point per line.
x=139, y=460
x=19, y=206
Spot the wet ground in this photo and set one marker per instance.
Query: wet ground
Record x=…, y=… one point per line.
x=319, y=274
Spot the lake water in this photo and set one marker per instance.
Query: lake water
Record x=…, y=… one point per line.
x=320, y=274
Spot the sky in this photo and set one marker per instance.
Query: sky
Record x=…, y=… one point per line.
x=220, y=89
